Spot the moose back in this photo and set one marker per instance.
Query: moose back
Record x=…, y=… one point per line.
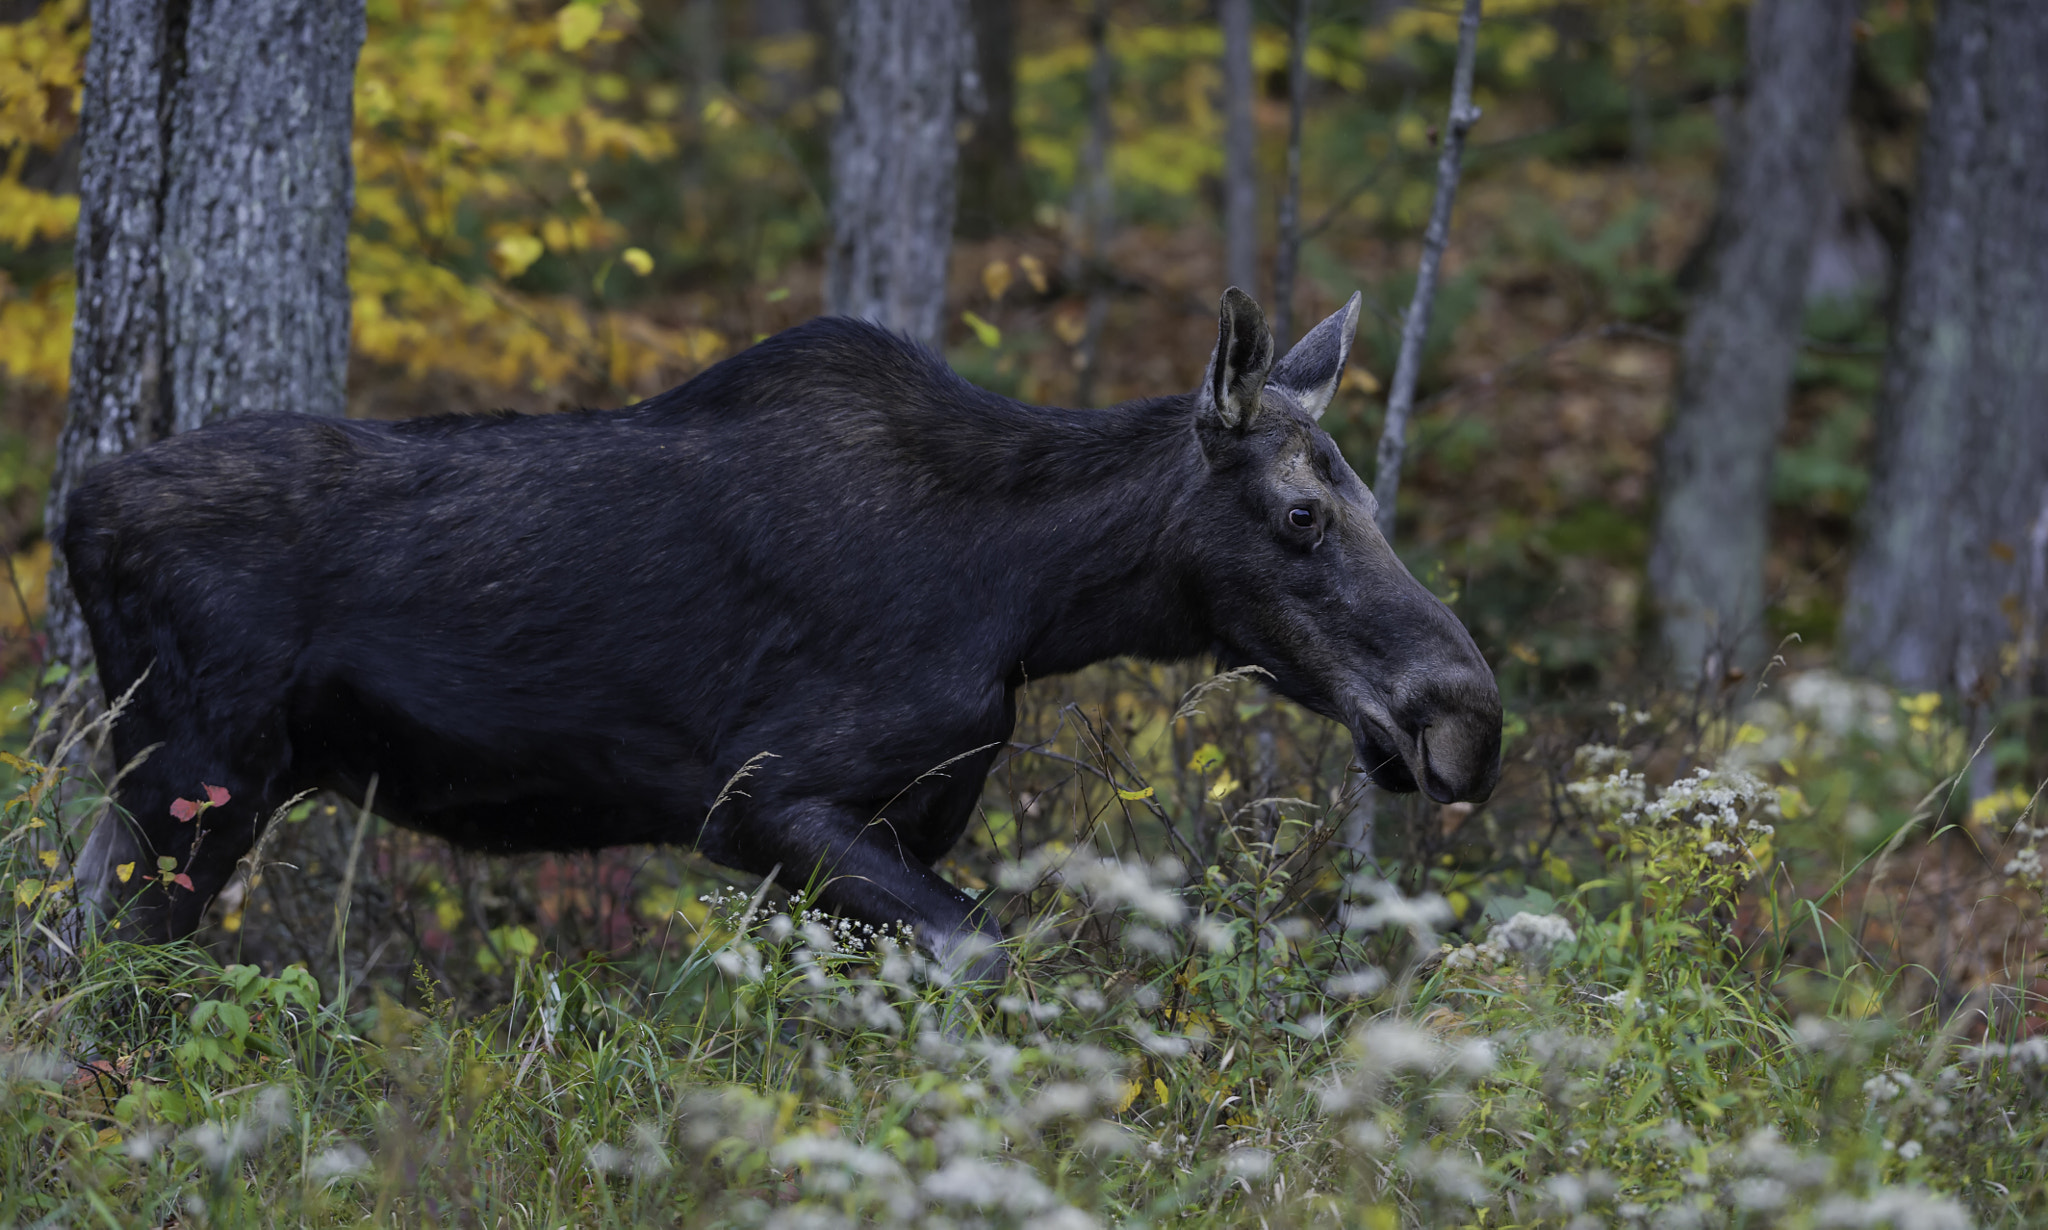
x=570, y=631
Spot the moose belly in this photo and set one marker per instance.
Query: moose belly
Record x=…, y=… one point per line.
x=492, y=783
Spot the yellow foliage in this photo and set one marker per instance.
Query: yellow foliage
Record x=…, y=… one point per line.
x=486, y=111
x=29, y=215
x=42, y=69
x=42, y=64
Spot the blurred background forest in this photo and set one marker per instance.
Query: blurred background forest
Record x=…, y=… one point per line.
x=584, y=204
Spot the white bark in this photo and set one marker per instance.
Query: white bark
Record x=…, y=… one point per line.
x=1944, y=592
x=1741, y=340
x=893, y=159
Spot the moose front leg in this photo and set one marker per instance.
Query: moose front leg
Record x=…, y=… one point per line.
x=859, y=869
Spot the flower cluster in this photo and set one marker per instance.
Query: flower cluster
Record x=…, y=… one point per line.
x=1527, y=937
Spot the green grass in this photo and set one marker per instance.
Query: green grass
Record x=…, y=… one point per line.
x=1286, y=1036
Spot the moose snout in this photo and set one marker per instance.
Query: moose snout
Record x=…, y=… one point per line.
x=1456, y=728
x=1460, y=759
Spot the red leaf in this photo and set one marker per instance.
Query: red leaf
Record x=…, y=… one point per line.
x=184, y=809
x=217, y=795
x=183, y=881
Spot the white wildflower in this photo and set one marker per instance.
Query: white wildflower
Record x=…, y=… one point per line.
x=337, y=1162
x=1248, y=1163
x=1106, y=1139
x=1421, y=915
x=1356, y=984
x=1061, y=1100
x=1166, y=1046
x=644, y=1160
x=1900, y=1208
x=2028, y=1053
x=1568, y=1190
x=740, y=962
x=1760, y=1194
x=1394, y=1046
x=982, y=1184
x=143, y=1142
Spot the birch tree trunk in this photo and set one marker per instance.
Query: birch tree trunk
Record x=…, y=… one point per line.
x=1741, y=339
x=1240, y=170
x=893, y=160
x=1945, y=590
x=212, y=251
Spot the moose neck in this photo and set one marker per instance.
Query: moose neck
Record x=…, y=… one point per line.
x=1103, y=571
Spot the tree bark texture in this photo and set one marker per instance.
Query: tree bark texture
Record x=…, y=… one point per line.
x=1944, y=592
x=212, y=250
x=893, y=160
x=1742, y=336
x=994, y=194
x=1240, y=167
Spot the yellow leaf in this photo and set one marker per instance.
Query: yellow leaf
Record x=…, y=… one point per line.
x=1126, y=1096
x=515, y=254
x=27, y=891
x=1923, y=704
x=1223, y=785
x=48, y=857
x=1159, y=1091
x=1034, y=272
x=995, y=279
x=1356, y=377
x=988, y=334
x=124, y=871
x=1206, y=757
x=638, y=261
x=1134, y=795
x=577, y=24
x=1071, y=327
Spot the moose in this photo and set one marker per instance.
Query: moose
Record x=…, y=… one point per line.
x=826, y=564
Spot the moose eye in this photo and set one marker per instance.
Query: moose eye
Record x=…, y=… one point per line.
x=1302, y=519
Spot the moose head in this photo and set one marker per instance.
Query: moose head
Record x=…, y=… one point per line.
x=1306, y=587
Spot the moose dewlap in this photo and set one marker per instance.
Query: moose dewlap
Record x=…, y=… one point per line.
x=828, y=557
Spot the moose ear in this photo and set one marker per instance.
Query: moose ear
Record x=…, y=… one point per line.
x=1313, y=367
x=1237, y=371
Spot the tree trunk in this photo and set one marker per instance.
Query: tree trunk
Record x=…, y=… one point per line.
x=1094, y=206
x=212, y=251
x=1288, y=258
x=1240, y=172
x=994, y=195
x=1944, y=592
x=1741, y=339
x=893, y=159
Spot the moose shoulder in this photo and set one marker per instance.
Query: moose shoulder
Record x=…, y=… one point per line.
x=567, y=632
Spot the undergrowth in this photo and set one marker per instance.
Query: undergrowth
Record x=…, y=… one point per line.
x=1225, y=1007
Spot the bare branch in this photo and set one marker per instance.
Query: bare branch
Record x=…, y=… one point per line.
x=1415, y=329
